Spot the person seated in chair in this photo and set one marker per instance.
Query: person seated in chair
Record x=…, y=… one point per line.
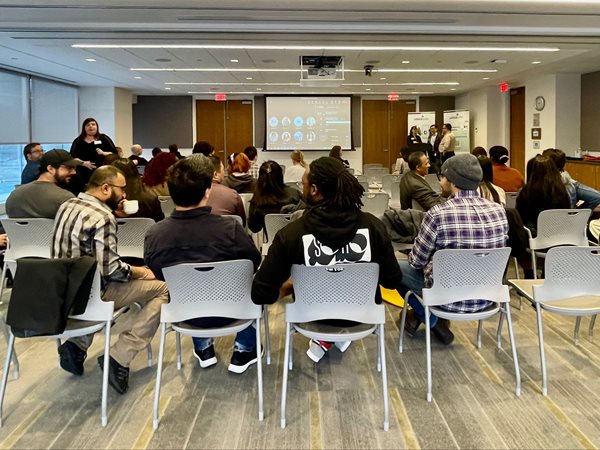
x=193, y=235
x=333, y=230
x=465, y=220
x=414, y=186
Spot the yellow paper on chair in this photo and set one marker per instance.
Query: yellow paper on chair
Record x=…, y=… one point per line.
x=392, y=296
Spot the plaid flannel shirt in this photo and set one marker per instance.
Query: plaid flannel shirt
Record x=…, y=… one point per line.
x=464, y=221
x=254, y=168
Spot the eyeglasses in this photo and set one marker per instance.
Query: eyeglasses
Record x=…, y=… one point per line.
x=120, y=187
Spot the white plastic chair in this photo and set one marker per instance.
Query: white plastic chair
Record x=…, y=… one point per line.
x=375, y=174
x=511, y=199
x=571, y=287
x=387, y=180
x=197, y=290
x=234, y=217
x=166, y=204
x=273, y=223
x=365, y=185
x=433, y=182
x=130, y=236
x=416, y=205
x=98, y=314
x=464, y=274
x=342, y=291
x=375, y=203
x=372, y=165
x=246, y=202
x=362, y=178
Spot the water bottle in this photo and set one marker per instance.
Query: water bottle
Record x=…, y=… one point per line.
x=578, y=153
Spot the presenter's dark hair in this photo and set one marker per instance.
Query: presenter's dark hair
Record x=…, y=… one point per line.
x=335, y=151
x=251, y=152
x=203, y=147
x=340, y=189
x=188, y=179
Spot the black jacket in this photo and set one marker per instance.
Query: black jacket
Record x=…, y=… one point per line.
x=324, y=237
x=256, y=215
x=61, y=288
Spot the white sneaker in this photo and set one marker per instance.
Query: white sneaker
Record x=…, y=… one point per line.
x=343, y=345
x=315, y=351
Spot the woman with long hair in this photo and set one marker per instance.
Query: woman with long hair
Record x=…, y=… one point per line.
x=270, y=195
x=294, y=174
x=544, y=190
x=149, y=206
x=487, y=189
x=337, y=152
x=155, y=175
x=238, y=177
x=414, y=137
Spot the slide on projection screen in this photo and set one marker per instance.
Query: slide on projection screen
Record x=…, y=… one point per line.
x=307, y=123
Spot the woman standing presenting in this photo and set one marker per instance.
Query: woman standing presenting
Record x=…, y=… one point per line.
x=91, y=147
x=414, y=137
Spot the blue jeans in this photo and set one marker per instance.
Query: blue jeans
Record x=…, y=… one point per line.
x=414, y=280
x=245, y=340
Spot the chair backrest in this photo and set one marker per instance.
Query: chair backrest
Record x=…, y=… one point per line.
x=415, y=205
x=294, y=184
x=220, y=289
x=433, y=182
x=395, y=192
x=340, y=291
x=364, y=184
x=234, y=217
x=561, y=227
x=28, y=237
x=570, y=272
x=375, y=203
x=351, y=170
x=511, y=199
x=375, y=174
x=387, y=180
x=130, y=236
x=246, y=197
x=283, y=168
x=166, y=204
x=361, y=178
x=274, y=223
x=468, y=274
x=370, y=166
x=96, y=309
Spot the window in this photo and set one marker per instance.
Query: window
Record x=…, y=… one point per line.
x=12, y=163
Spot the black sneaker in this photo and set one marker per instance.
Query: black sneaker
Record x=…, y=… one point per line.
x=240, y=361
x=412, y=323
x=118, y=376
x=71, y=358
x=442, y=331
x=206, y=357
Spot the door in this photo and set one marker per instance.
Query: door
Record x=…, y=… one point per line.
x=238, y=125
x=517, y=129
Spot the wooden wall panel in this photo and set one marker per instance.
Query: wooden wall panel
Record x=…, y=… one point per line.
x=238, y=125
x=517, y=129
x=376, y=130
x=210, y=124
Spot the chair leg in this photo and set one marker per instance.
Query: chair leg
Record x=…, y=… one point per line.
x=591, y=329
x=58, y=344
x=378, y=357
x=9, y=351
x=428, y=346
x=402, y=322
x=178, y=348
x=291, y=363
x=149, y=355
x=513, y=346
x=3, y=281
x=259, y=374
x=15, y=359
x=161, y=353
x=534, y=264
x=576, y=330
x=538, y=311
x=267, y=335
x=286, y=362
x=499, y=331
x=105, y=373
x=386, y=408
x=479, y=330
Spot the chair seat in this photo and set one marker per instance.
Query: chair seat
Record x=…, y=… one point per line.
x=479, y=315
x=190, y=330
x=331, y=333
x=80, y=328
x=525, y=287
x=582, y=305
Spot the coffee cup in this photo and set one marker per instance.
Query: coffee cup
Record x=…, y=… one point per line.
x=131, y=206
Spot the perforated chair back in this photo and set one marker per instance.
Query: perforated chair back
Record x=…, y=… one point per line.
x=351, y=170
x=28, y=237
x=511, y=199
x=96, y=309
x=234, y=217
x=395, y=192
x=468, y=274
x=365, y=185
x=246, y=197
x=220, y=289
x=274, y=223
x=376, y=173
x=294, y=184
x=361, y=178
x=433, y=182
x=570, y=272
x=561, y=227
x=387, y=180
x=375, y=203
x=371, y=165
x=341, y=291
x=416, y=205
x=166, y=204
x=130, y=236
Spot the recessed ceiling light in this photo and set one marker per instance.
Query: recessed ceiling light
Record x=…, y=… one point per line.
x=383, y=78
x=536, y=62
x=485, y=78
x=90, y=59
x=167, y=89
x=367, y=89
x=452, y=89
x=248, y=78
x=258, y=89
x=499, y=61
x=234, y=60
x=138, y=78
x=406, y=61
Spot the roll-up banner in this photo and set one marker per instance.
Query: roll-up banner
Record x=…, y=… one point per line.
x=460, y=127
x=422, y=120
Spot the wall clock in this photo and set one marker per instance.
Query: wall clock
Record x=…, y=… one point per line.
x=540, y=103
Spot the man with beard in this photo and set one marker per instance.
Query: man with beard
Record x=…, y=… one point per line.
x=42, y=198
x=86, y=226
x=333, y=230
x=465, y=220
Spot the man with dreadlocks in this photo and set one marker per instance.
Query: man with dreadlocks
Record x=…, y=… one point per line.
x=322, y=237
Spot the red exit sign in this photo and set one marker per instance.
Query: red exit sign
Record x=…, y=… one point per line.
x=220, y=97
x=393, y=97
x=504, y=87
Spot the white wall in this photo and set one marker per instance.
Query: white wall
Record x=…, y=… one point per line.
x=123, y=136
x=568, y=112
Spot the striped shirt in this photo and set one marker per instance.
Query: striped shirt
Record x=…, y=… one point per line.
x=86, y=226
x=464, y=221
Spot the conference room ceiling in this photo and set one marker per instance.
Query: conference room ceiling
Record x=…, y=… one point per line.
x=181, y=47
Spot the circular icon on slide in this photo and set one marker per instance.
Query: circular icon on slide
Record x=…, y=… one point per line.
x=273, y=121
x=311, y=121
x=285, y=137
x=286, y=121
x=273, y=136
x=311, y=137
x=298, y=136
x=298, y=121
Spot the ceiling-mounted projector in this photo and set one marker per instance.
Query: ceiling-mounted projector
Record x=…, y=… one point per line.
x=321, y=70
